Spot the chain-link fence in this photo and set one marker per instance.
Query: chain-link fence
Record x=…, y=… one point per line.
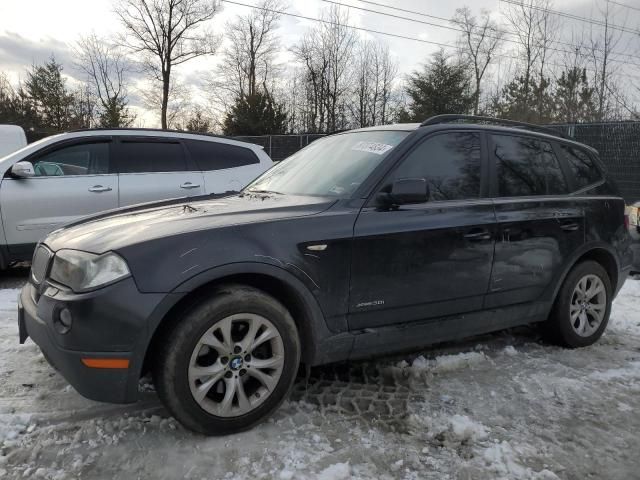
x=279, y=147
x=619, y=146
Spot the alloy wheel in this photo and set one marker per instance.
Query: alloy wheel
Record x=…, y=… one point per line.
x=588, y=305
x=236, y=365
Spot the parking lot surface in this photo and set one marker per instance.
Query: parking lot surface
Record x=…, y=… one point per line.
x=498, y=406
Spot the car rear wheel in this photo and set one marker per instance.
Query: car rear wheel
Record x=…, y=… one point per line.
x=229, y=362
x=582, y=307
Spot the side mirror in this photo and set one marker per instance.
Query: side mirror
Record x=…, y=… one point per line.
x=22, y=170
x=406, y=191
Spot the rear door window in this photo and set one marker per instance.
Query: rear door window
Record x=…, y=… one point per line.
x=582, y=166
x=450, y=163
x=526, y=167
x=218, y=156
x=555, y=182
x=144, y=156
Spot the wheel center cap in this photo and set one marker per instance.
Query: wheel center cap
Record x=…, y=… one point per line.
x=236, y=363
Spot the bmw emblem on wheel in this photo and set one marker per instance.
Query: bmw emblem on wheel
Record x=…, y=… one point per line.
x=236, y=363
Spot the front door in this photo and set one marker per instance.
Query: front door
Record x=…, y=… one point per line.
x=71, y=180
x=431, y=259
x=539, y=224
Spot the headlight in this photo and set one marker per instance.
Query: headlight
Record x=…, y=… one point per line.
x=82, y=271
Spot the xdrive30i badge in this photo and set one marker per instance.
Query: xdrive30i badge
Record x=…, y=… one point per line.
x=374, y=303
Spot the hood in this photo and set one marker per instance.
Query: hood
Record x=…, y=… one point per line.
x=137, y=225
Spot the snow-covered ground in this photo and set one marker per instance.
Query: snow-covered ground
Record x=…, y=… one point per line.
x=498, y=406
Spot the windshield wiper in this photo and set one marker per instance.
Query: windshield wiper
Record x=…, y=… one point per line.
x=254, y=190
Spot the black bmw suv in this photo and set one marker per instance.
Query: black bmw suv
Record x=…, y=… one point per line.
x=364, y=243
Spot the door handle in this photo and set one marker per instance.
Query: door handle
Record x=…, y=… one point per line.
x=476, y=235
x=99, y=188
x=570, y=227
x=189, y=185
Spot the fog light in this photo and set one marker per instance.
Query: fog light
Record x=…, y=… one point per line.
x=63, y=321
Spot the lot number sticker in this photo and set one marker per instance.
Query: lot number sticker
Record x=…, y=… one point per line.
x=372, y=147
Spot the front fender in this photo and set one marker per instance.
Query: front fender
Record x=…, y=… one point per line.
x=314, y=330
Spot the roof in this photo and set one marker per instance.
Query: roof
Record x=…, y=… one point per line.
x=407, y=127
x=510, y=127
x=157, y=132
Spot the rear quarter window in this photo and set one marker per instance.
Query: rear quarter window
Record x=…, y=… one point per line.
x=218, y=156
x=526, y=166
x=584, y=170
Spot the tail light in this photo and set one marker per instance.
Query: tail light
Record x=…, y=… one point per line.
x=626, y=220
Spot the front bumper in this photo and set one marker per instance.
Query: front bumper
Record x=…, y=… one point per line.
x=110, y=323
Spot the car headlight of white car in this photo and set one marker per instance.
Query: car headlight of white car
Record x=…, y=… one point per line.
x=83, y=271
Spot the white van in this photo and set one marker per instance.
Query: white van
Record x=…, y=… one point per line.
x=12, y=138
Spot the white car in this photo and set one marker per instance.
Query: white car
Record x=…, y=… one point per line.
x=64, y=177
x=12, y=138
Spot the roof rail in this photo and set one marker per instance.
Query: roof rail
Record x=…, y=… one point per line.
x=144, y=129
x=452, y=117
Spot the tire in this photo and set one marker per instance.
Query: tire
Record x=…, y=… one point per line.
x=574, y=320
x=217, y=386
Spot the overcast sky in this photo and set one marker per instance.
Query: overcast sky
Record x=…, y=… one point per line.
x=32, y=30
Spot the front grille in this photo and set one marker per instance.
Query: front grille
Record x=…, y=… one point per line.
x=40, y=264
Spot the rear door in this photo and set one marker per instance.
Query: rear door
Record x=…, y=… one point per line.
x=72, y=179
x=225, y=167
x=539, y=224
x=154, y=168
x=431, y=259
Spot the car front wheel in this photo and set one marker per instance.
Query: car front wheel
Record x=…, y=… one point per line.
x=581, y=311
x=229, y=362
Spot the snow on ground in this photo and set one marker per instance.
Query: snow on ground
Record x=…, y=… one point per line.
x=502, y=406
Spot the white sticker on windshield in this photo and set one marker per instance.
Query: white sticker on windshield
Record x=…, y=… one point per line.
x=372, y=147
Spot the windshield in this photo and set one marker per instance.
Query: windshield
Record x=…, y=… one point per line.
x=332, y=166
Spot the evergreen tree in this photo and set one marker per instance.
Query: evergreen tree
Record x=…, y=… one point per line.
x=574, y=100
x=115, y=113
x=256, y=114
x=441, y=87
x=15, y=106
x=198, y=122
x=48, y=91
x=531, y=103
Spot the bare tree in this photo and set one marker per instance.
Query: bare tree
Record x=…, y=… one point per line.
x=535, y=31
x=106, y=68
x=602, y=44
x=338, y=41
x=374, y=74
x=364, y=85
x=547, y=33
x=249, y=58
x=326, y=52
x=387, y=73
x=524, y=19
x=168, y=33
x=480, y=40
x=310, y=53
x=179, y=101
